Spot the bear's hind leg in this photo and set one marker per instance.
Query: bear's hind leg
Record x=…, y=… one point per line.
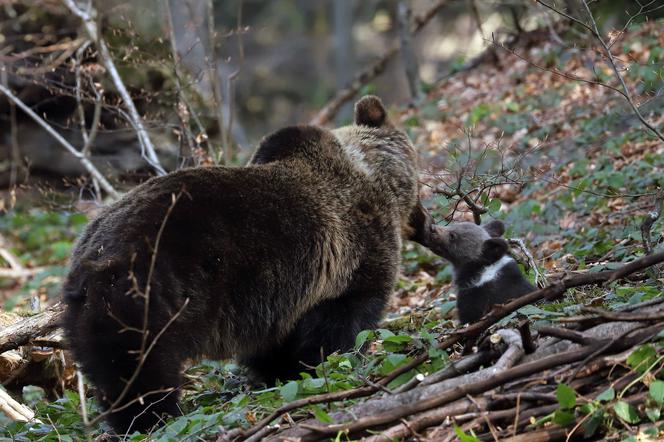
x=327, y=327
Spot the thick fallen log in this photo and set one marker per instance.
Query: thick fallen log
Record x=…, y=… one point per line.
x=25, y=331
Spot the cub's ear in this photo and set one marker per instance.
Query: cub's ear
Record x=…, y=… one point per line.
x=494, y=249
x=495, y=228
x=369, y=111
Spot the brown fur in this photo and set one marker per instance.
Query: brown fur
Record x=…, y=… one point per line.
x=295, y=253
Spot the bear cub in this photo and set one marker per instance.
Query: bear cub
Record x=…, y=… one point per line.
x=484, y=273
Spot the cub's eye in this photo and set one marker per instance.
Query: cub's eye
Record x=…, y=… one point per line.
x=452, y=236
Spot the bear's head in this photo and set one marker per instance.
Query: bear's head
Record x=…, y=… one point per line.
x=376, y=147
x=467, y=243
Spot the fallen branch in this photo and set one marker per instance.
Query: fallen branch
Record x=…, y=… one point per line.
x=428, y=419
x=383, y=411
x=14, y=410
x=456, y=393
x=563, y=333
x=332, y=107
x=25, y=331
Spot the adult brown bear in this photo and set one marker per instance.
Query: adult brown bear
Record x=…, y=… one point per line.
x=267, y=263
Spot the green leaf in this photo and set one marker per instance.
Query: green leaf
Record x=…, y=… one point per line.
x=494, y=205
x=362, y=338
x=384, y=333
x=591, y=425
x=398, y=339
x=653, y=414
x=478, y=113
x=512, y=106
x=463, y=437
x=402, y=379
x=289, y=391
x=563, y=417
x=657, y=391
x=566, y=396
x=626, y=412
x=642, y=358
x=313, y=385
x=321, y=414
x=396, y=343
x=607, y=395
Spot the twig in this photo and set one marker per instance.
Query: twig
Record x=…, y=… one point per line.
x=263, y=433
x=628, y=317
x=13, y=132
x=459, y=367
x=48, y=128
x=612, y=61
x=540, y=279
x=526, y=336
x=477, y=209
x=88, y=137
x=81, y=396
x=9, y=257
x=311, y=400
x=341, y=97
x=565, y=333
x=90, y=24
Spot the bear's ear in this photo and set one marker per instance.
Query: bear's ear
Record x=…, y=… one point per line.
x=369, y=111
x=494, y=249
x=495, y=228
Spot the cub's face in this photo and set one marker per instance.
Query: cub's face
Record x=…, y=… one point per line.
x=466, y=243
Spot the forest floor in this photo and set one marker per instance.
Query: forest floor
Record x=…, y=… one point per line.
x=570, y=170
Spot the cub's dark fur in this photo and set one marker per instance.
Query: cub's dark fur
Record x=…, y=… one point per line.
x=296, y=252
x=484, y=273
